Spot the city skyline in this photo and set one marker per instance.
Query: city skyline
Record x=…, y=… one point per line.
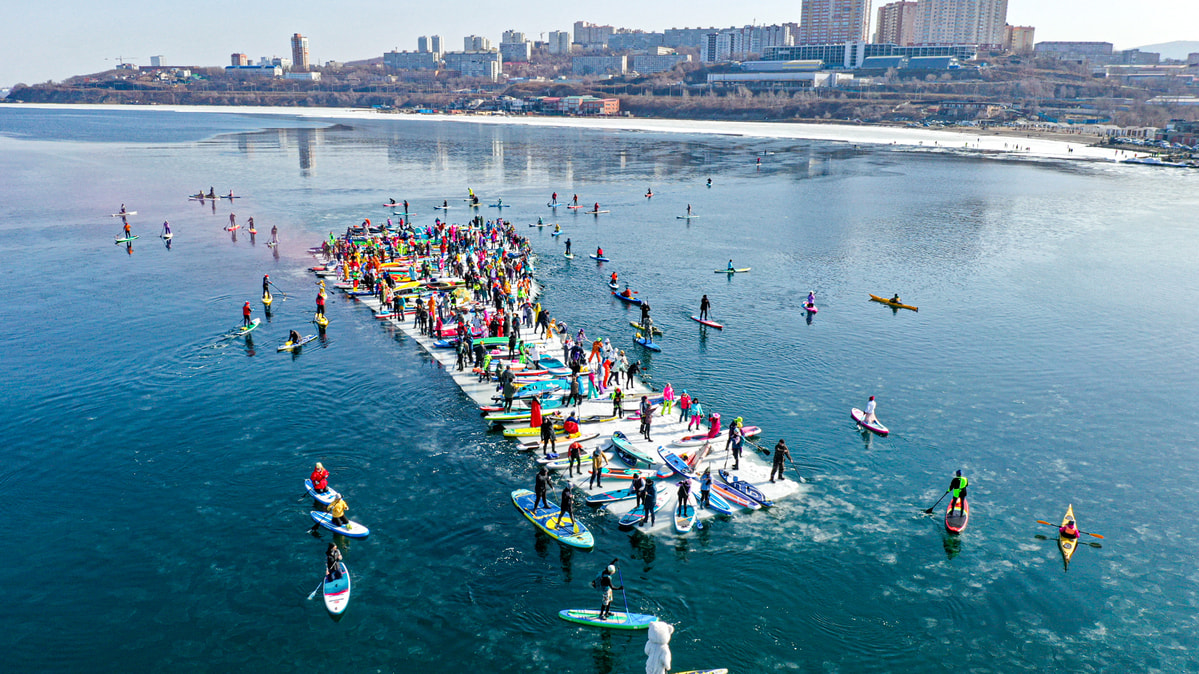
x=39, y=49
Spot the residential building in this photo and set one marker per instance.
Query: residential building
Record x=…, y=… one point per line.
x=309, y=77
x=1018, y=39
x=486, y=64
x=559, y=42
x=475, y=43
x=977, y=22
x=591, y=36
x=831, y=21
x=854, y=54
x=410, y=60
x=733, y=44
x=422, y=44
x=299, y=52
x=1136, y=57
x=283, y=63
x=246, y=71
x=516, y=52
x=156, y=61
x=435, y=45
x=512, y=36
x=236, y=59
x=648, y=64
x=694, y=38
x=896, y=23
x=1094, y=52
x=635, y=40
x=599, y=65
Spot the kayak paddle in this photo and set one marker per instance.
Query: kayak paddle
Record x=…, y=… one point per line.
x=929, y=511
x=1080, y=531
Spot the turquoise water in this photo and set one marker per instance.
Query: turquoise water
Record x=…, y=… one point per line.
x=157, y=469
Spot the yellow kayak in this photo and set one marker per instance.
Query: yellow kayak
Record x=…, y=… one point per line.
x=897, y=305
x=1068, y=545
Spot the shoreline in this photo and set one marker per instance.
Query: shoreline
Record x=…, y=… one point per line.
x=989, y=143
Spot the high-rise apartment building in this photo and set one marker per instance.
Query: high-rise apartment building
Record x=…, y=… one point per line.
x=1018, y=39
x=435, y=44
x=559, y=42
x=512, y=36
x=299, y=52
x=896, y=23
x=236, y=59
x=834, y=21
x=475, y=43
x=592, y=36
x=978, y=22
x=422, y=44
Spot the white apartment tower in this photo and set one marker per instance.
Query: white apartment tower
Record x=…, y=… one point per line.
x=978, y=22
x=834, y=21
x=559, y=42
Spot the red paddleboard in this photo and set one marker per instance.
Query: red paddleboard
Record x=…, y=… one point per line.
x=711, y=324
x=956, y=519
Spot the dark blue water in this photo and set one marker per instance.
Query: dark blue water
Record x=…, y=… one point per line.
x=155, y=468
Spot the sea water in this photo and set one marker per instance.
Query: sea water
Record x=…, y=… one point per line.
x=154, y=466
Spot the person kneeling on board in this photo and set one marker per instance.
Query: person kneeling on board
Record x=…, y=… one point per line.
x=605, y=588
x=320, y=478
x=337, y=511
x=293, y=337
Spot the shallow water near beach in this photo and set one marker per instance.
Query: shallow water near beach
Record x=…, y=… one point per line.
x=157, y=467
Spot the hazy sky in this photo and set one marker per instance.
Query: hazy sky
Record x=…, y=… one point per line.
x=60, y=38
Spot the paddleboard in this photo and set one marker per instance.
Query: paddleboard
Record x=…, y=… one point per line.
x=552, y=204
x=229, y=196
x=956, y=519
x=744, y=488
x=321, y=320
x=685, y=521
x=629, y=454
x=337, y=590
x=351, y=530
x=733, y=271
x=873, y=426
x=568, y=256
x=715, y=500
x=619, y=620
x=166, y=237
x=327, y=497
x=674, y=462
x=630, y=300
x=593, y=256
x=596, y=212
x=441, y=208
x=705, y=671
x=642, y=328
x=1068, y=545
x=613, y=496
x=556, y=233
x=567, y=531
x=734, y=497
x=499, y=206
x=125, y=214
x=810, y=308
x=267, y=299
x=233, y=227
x=126, y=239
x=686, y=217
x=704, y=321
x=288, y=346
x=647, y=343
x=244, y=329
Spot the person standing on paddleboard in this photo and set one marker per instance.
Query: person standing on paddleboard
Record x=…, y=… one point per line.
x=605, y=588
x=958, y=487
x=266, y=285
x=333, y=562
x=166, y=228
x=568, y=509
x=684, y=496
x=868, y=414
x=650, y=502
x=542, y=487
x=128, y=231
x=781, y=454
x=568, y=247
x=245, y=315
x=704, y=305
x=320, y=300
x=575, y=452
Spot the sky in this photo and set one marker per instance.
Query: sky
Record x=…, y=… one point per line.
x=42, y=41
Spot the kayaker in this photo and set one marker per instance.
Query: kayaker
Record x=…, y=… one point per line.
x=868, y=414
x=638, y=486
x=337, y=510
x=567, y=509
x=598, y=459
x=320, y=478
x=293, y=337
x=709, y=182
x=895, y=299
x=542, y=487
x=606, y=587
x=705, y=488
x=958, y=487
x=626, y=292
x=781, y=454
x=332, y=562
x=575, y=452
x=684, y=496
x=1068, y=530
x=245, y=315
x=547, y=435
x=735, y=439
x=704, y=305
x=122, y=211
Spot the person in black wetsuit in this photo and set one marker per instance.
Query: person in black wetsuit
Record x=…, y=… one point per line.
x=704, y=305
x=333, y=562
x=568, y=247
x=568, y=509
x=547, y=435
x=541, y=488
x=605, y=588
x=684, y=495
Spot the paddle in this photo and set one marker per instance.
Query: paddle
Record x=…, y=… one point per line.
x=929, y=511
x=318, y=589
x=624, y=594
x=1080, y=531
x=1040, y=537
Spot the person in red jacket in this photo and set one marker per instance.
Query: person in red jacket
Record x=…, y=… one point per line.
x=320, y=478
x=245, y=315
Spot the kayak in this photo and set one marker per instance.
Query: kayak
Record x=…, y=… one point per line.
x=567, y=531
x=685, y=521
x=872, y=426
x=647, y=343
x=327, y=497
x=619, y=620
x=956, y=519
x=126, y=239
x=243, y=329
x=288, y=346
x=704, y=321
x=351, y=530
x=1068, y=545
x=746, y=489
x=599, y=258
x=629, y=454
x=126, y=213
x=337, y=590
x=733, y=271
x=642, y=328
x=630, y=300
x=896, y=305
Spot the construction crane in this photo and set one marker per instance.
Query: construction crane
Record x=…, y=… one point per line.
x=122, y=59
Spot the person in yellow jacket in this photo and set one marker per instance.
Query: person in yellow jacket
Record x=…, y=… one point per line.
x=337, y=510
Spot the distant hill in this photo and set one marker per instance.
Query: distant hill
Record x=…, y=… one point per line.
x=1173, y=50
